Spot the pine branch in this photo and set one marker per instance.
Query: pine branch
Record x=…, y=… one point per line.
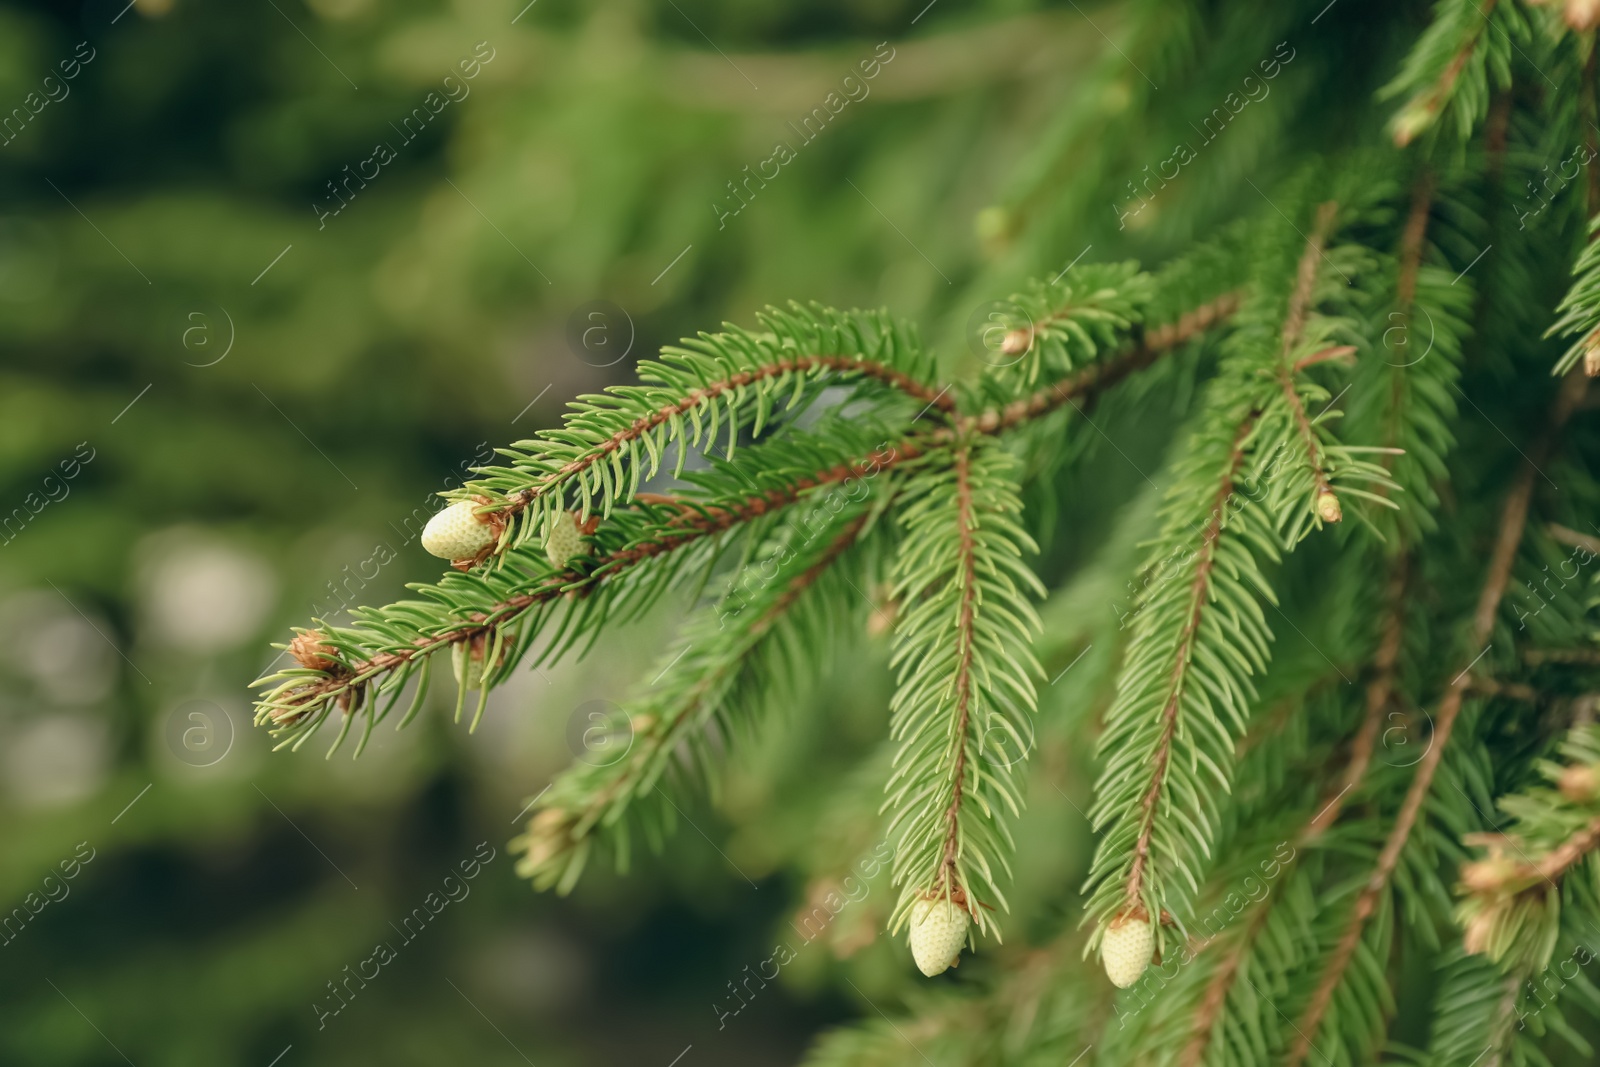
x=1513, y=520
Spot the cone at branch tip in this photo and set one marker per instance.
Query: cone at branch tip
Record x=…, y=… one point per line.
x=1126, y=948
x=938, y=933
x=459, y=532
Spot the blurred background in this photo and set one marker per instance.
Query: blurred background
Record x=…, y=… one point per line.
x=273, y=273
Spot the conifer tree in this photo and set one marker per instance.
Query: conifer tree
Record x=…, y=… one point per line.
x=1383, y=848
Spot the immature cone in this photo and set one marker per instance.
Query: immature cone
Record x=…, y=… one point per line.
x=1126, y=948
x=938, y=933
x=309, y=651
x=1328, y=507
x=563, y=539
x=458, y=533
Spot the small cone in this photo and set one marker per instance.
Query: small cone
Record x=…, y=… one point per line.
x=938, y=933
x=563, y=539
x=457, y=532
x=1126, y=949
x=1328, y=508
x=309, y=651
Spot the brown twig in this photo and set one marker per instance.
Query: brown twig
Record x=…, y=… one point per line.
x=1156, y=343
x=1513, y=519
x=1294, y=325
x=948, y=879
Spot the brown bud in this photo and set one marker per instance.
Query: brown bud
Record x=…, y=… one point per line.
x=1583, y=15
x=1591, y=358
x=1488, y=875
x=308, y=649
x=1017, y=341
x=1328, y=507
x=1580, y=784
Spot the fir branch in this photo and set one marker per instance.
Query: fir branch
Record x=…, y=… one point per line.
x=1450, y=69
x=589, y=798
x=1511, y=900
x=1182, y=659
x=1377, y=699
x=1155, y=343
x=1509, y=537
x=716, y=384
x=964, y=679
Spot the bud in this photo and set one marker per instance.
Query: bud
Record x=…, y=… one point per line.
x=1126, y=948
x=1412, y=120
x=1591, y=355
x=1017, y=341
x=1488, y=875
x=938, y=933
x=1583, y=15
x=563, y=539
x=1580, y=784
x=1328, y=507
x=1475, y=938
x=309, y=650
x=458, y=532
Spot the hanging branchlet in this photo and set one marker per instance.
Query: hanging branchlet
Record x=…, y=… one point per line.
x=1512, y=897
x=964, y=680
x=1508, y=539
x=707, y=693
x=1464, y=56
